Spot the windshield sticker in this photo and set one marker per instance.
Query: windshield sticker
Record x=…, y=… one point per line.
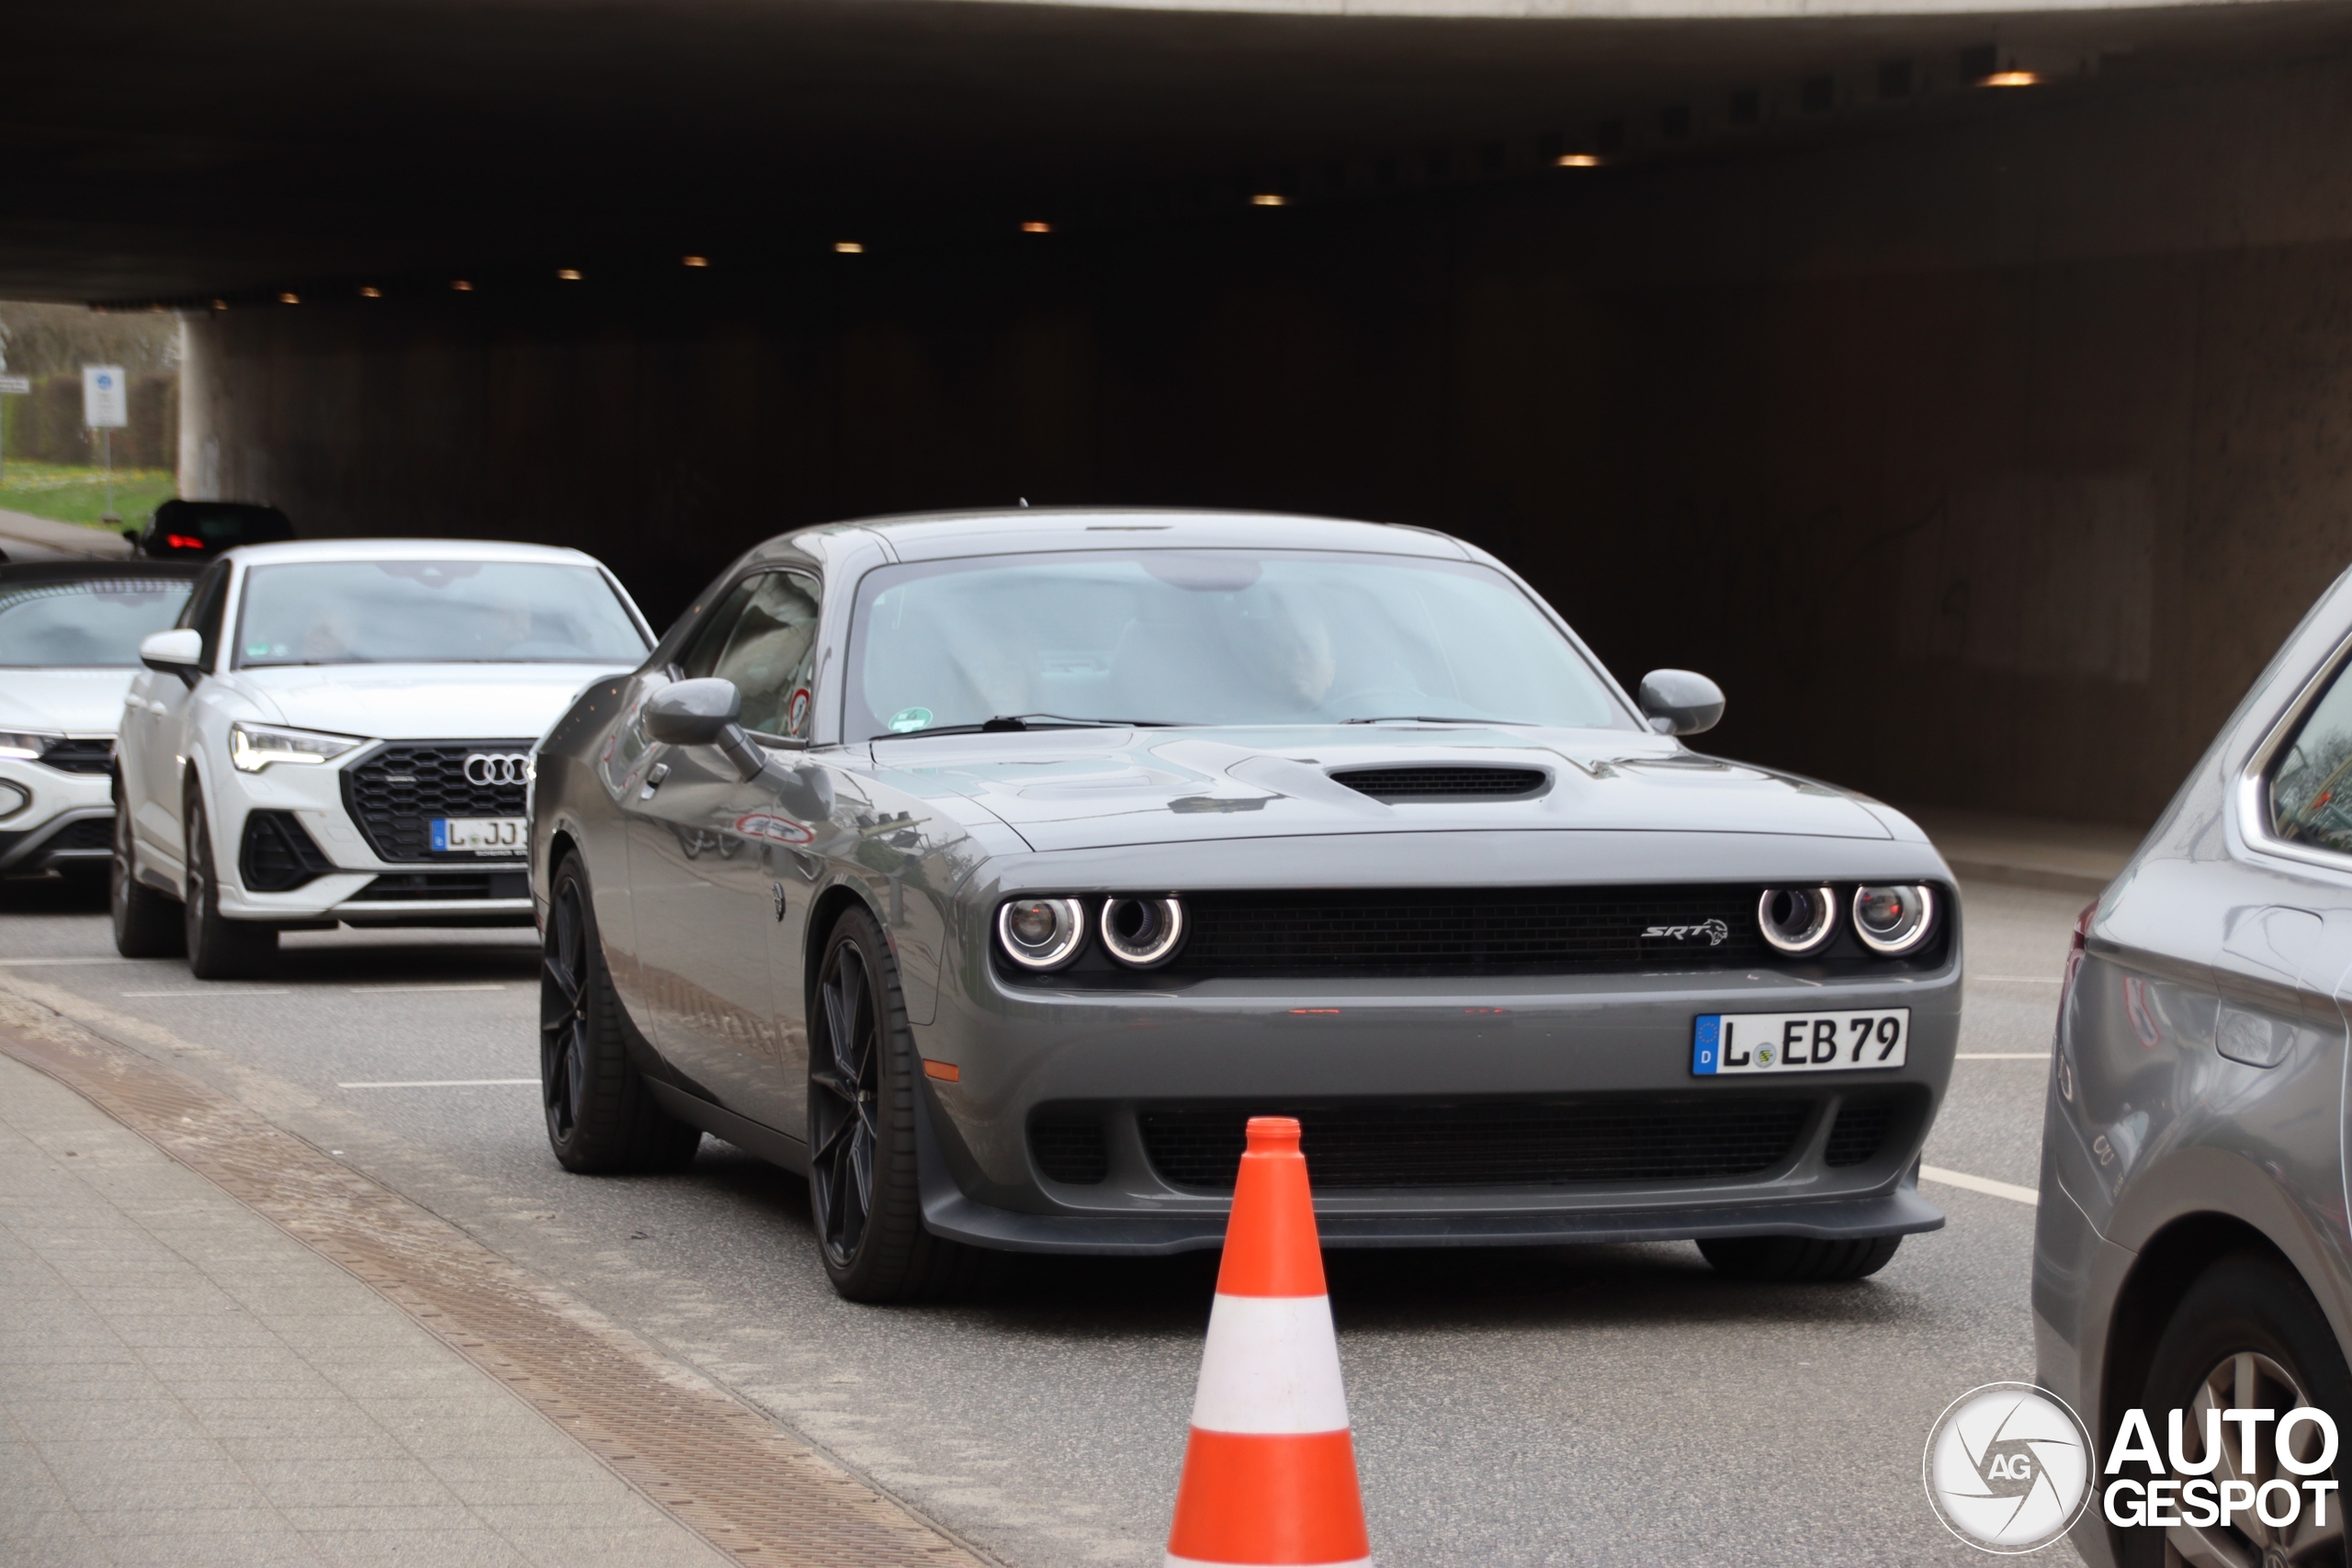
x=907, y=720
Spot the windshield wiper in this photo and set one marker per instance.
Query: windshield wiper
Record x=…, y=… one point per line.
x=1434, y=719
x=1008, y=723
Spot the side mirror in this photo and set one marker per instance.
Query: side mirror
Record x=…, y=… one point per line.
x=704, y=713
x=1681, y=702
x=175, y=652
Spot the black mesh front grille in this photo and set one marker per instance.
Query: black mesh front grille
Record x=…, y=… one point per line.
x=1442, y=783
x=1069, y=1146
x=83, y=756
x=1515, y=1143
x=419, y=887
x=395, y=793
x=1470, y=932
x=89, y=833
x=1861, y=1128
x=279, y=853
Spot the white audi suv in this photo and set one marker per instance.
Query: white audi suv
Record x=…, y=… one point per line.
x=340, y=731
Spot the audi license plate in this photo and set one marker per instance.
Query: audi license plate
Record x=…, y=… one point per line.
x=1800, y=1042
x=483, y=835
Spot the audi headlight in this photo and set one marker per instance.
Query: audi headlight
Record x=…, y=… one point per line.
x=252, y=747
x=1893, y=919
x=1797, y=921
x=26, y=745
x=1143, y=934
x=13, y=798
x=1041, y=934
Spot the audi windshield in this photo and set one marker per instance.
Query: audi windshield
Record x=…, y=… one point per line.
x=1209, y=636
x=432, y=612
x=94, y=623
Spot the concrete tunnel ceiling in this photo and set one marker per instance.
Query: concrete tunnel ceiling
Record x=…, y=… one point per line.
x=166, y=151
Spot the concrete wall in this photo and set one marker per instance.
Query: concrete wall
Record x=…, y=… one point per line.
x=1984, y=462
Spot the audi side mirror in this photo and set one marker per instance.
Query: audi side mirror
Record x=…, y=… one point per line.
x=708, y=712
x=1681, y=702
x=178, y=651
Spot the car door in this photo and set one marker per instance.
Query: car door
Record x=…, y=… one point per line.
x=158, y=710
x=712, y=858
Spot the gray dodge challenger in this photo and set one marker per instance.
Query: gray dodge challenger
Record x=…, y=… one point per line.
x=992, y=868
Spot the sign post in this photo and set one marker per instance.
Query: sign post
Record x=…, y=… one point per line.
x=10, y=386
x=106, y=408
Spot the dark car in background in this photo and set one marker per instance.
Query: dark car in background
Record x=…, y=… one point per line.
x=994, y=868
x=196, y=529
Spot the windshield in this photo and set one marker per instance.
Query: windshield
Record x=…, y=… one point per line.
x=1208, y=637
x=432, y=612
x=95, y=623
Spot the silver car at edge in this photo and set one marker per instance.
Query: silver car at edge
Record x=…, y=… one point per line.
x=2191, y=1244
x=990, y=868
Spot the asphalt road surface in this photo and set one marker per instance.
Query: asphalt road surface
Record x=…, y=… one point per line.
x=1601, y=1405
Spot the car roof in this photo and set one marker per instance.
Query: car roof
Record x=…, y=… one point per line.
x=933, y=536
x=96, y=571
x=403, y=550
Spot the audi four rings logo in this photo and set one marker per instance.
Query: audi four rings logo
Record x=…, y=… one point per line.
x=497, y=768
x=1714, y=931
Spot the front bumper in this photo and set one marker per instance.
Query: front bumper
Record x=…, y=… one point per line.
x=67, y=818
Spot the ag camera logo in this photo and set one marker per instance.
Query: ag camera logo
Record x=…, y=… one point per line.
x=2007, y=1468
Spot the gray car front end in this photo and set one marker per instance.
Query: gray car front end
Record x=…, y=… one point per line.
x=1472, y=957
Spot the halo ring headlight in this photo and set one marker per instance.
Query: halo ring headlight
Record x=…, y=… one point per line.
x=1143, y=933
x=1797, y=921
x=1894, y=918
x=1039, y=934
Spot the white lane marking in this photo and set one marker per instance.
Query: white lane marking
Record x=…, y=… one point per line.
x=443, y=1083
x=2000, y=1055
x=216, y=991
x=38, y=962
x=1983, y=1184
x=2024, y=979
x=390, y=990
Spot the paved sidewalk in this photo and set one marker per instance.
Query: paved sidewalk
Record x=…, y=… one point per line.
x=25, y=537
x=182, y=1383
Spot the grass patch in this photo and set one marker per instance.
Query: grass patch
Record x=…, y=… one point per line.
x=70, y=493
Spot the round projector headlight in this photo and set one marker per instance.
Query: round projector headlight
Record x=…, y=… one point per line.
x=1797, y=921
x=1893, y=919
x=1041, y=934
x=1143, y=934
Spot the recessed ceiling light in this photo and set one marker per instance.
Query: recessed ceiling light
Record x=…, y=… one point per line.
x=1576, y=161
x=220, y=304
x=569, y=274
x=461, y=286
x=2011, y=79
x=1269, y=198
x=289, y=297
x=694, y=260
x=370, y=291
x=849, y=247
x=1034, y=227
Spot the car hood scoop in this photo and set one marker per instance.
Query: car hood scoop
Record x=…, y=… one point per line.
x=1069, y=789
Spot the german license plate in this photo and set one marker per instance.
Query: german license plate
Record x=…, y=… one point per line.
x=1800, y=1042
x=483, y=835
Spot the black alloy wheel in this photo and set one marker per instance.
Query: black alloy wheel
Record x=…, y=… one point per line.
x=146, y=923
x=217, y=947
x=2247, y=1336
x=861, y=1165
x=602, y=1119
x=1799, y=1260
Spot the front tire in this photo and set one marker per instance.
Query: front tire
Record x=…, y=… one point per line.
x=146, y=923
x=602, y=1119
x=2247, y=1335
x=1799, y=1260
x=217, y=947
x=862, y=1175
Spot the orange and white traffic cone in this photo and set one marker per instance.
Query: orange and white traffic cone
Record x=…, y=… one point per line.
x=1270, y=1471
